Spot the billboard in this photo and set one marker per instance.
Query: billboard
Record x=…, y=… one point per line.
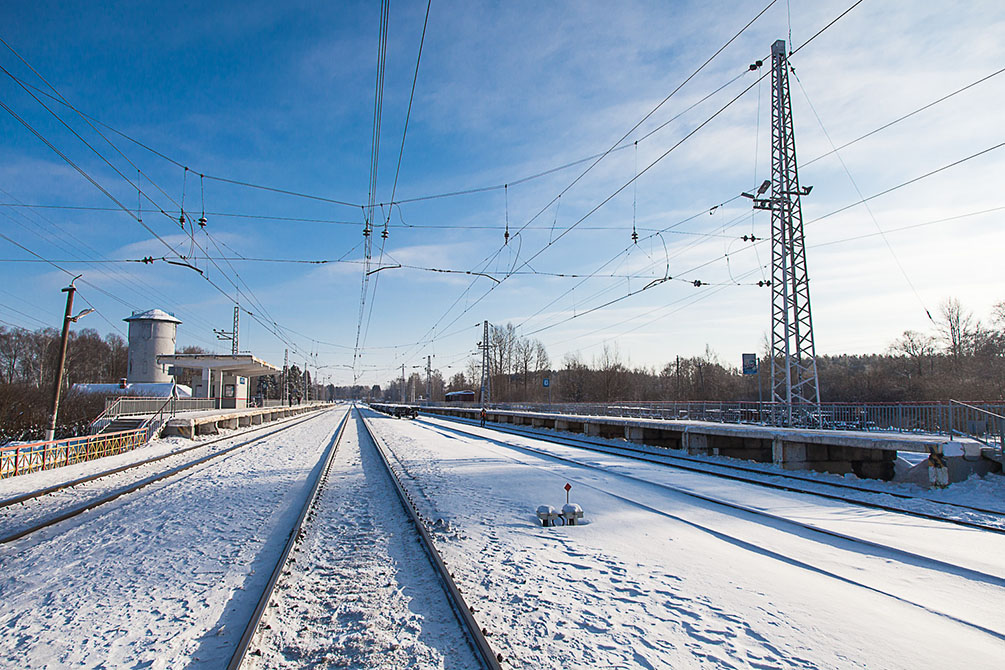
x=749, y=364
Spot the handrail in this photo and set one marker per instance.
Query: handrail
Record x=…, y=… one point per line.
x=979, y=435
x=104, y=413
x=977, y=409
x=159, y=414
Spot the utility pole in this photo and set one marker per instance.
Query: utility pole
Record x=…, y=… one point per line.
x=402, y=383
x=486, y=391
x=50, y=434
x=429, y=378
x=678, y=377
x=794, y=381
x=307, y=388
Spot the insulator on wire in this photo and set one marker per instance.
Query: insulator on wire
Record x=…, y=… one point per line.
x=506, y=237
x=181, y=219
x=696, y=282
x=202, y=221
x=384, y=234
x=635, y=236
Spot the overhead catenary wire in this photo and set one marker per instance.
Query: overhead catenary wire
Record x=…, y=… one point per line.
x=397, y=171
x=872, y=215
x=221, y=256
x=492, y=288
x=846, y=207
x=184, y=260
x=593, y=164
x=368, y=212
x=511, y=182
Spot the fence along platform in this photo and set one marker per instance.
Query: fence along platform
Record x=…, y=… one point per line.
x=870, y=455
x=23, y=459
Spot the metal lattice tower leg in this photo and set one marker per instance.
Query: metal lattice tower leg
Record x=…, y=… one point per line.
x=486, y=377
x=237, y=329
x=793, y=354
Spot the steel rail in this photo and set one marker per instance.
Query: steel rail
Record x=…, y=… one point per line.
x=744, y=468
x=661, y=459
x=97, y=502
x=971, y=573
x=24, y=497
x=296, y=534
x=464, y=612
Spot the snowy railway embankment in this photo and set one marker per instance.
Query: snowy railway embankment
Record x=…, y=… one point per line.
x=165, y=576
x=671, y=566
x=657, y=577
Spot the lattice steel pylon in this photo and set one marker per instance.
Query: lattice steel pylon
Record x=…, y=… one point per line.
x=486, y=390
x=794, y=381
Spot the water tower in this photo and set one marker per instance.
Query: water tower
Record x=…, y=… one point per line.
x=151, y=333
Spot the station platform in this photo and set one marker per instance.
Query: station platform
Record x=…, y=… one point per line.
x=870, y=455
x=210, y=422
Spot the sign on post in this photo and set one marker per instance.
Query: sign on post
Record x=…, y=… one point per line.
x=750, y=364
x=546, y=382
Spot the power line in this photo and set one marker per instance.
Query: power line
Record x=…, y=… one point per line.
x=368, y=214
x=834, y=150
x=868, y=209
x=819, y=32
x=397, y=170
x=908, y=183
x=195, y=244
x=594, y=163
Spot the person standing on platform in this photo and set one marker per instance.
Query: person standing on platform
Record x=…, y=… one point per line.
x=482, y=417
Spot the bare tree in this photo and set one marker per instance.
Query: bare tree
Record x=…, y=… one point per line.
x=916, y=346
x=957, y=327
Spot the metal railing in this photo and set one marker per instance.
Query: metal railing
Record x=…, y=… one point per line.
x=135, y=405
x=984, y=424
x=35, y=456
x=944, y=418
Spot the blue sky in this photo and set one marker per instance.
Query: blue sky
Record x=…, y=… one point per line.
x=282, y=96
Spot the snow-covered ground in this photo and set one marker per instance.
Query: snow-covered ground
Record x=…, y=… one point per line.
x=166, y=577
x=362, y=593
x=15, y=486
x=654, y=578
x=658, y=579
x=27, y=514
x=987, y=492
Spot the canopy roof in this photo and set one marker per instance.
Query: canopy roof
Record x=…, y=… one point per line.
x=244, y=365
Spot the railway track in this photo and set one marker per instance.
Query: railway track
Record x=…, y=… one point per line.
x=753, y=510
x=856, y=574
x=759, y=477
x=38, y=511
x=249, y=646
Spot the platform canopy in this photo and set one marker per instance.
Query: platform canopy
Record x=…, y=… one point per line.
x=244, y=365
